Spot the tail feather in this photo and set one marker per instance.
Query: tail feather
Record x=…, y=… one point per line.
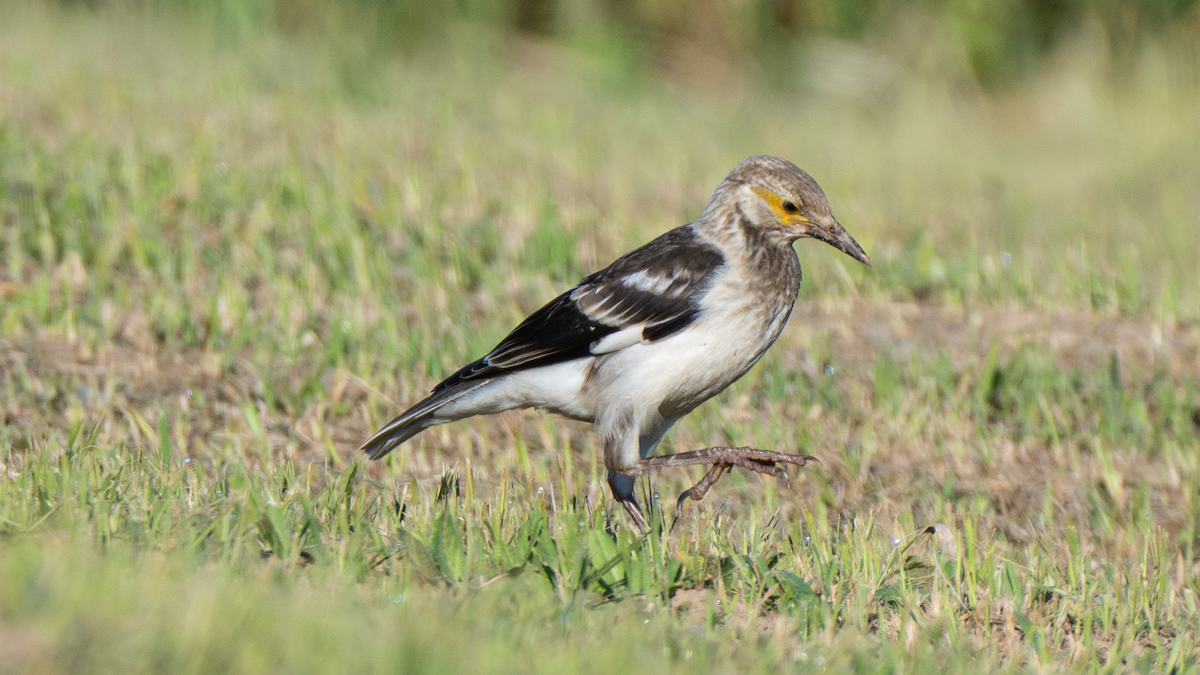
x=416, y=419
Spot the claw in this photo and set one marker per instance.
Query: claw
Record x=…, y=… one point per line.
x=635, y=512
x=683, y=496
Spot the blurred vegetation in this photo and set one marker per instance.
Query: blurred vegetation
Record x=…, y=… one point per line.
x=1001, y=40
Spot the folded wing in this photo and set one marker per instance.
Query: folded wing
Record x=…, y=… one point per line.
x=646, y=295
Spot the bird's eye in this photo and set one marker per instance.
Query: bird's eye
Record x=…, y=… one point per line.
x=790, y=207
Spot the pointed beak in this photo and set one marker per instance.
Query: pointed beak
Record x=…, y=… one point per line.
x=831, y=232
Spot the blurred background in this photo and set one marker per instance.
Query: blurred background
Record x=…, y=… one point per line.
x=992, y=41
x=1014, y=149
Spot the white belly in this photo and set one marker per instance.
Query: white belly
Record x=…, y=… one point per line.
x=679, y=372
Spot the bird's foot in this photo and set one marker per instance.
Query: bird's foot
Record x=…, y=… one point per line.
x=622, y=489
x=722, y=460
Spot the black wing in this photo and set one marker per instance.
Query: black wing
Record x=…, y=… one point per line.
x=657, y=286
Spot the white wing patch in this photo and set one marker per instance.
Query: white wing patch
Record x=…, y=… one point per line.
x=619, y=340
x=624, y=299
x=598, y=304
x=648, y=282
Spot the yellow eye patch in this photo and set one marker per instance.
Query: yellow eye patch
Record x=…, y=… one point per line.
x=788, y=210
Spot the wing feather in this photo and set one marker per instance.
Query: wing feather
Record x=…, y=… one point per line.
x=658, y=287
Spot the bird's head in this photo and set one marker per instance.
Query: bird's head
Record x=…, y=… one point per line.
x=783, y=202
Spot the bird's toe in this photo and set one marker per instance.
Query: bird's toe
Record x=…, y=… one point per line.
x=622, y=489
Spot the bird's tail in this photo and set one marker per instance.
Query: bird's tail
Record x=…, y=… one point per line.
x=416, y=419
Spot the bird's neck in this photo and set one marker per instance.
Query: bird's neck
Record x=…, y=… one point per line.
x=764, y=254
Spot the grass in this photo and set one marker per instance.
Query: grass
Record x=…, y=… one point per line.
x=223, y=262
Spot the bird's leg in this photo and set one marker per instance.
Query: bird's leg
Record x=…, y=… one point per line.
x=622, y=489
x=759, y=461
x=722, y=459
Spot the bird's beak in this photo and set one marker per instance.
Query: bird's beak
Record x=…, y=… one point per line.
x=831, y=232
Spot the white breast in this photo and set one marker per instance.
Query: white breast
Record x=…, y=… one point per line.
x=679, y=372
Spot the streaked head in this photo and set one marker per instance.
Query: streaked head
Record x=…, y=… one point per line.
x=785, y=203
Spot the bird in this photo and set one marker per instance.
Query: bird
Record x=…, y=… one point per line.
x=634, y=347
